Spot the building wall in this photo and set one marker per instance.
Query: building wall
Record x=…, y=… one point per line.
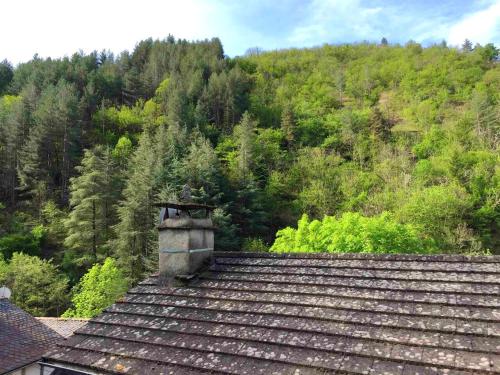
x=33, y=369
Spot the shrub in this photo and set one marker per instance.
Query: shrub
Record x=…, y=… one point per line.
x=101, y=286
x=352, y=233
x=255, y=245
x=37, y=285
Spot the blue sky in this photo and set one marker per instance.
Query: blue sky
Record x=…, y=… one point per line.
x=60, y=27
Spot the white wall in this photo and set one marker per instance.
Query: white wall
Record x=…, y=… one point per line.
x=33, y=369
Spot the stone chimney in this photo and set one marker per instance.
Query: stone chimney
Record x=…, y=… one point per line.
x=186, y=240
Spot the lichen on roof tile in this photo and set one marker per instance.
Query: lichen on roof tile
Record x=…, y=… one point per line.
x=305, y=314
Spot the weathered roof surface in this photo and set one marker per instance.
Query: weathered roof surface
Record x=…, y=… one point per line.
x=64, y=326
x=304, y=314
x=23, y=339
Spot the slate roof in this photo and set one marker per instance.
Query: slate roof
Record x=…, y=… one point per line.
x=304, y=314
x=64, y=326
x=23, y=339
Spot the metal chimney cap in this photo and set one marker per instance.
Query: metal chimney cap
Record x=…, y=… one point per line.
x=184, y=206
x=5, y=292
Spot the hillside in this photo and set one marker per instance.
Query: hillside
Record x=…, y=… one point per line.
x=401, y=141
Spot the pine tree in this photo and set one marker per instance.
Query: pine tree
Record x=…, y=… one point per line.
x=151, y=176
x=47, y=158
x=6, y=75
x=467, y=46
x=247, y=209
x=16, y=118
x=200, y=169
x=245, y=133
x=384, y=41
x=89, y=223
x=135, y=234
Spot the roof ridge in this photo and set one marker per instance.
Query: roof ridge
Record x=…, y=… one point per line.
x=61, y=318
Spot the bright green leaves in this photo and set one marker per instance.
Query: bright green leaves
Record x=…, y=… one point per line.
x=352, y=233
x=101, y=286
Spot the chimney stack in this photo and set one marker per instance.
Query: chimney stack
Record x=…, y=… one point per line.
x=186, y=240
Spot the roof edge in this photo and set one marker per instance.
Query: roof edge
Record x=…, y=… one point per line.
x=364, y=256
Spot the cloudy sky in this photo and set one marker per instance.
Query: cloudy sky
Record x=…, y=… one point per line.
x=60, y=27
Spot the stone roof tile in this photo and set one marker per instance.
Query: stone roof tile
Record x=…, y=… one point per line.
x=304, y=314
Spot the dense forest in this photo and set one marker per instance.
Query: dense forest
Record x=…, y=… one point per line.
x=360, y=148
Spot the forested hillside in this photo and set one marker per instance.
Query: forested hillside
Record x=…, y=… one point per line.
x=396, y=145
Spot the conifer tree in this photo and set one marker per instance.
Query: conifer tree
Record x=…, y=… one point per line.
x=200, y=169
x=135, y=234
x=152, y=176
x=48, y=156
x=16, y=118
x=467, y=46
x=6, y=75
x=89, y=222
x=247, y=209
x=245, y=133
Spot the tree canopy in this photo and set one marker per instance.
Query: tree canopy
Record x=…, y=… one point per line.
x=396, y=144
x=101, y=286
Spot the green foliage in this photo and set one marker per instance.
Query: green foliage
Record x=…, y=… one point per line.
x=135, y=229
x=6, y=75
x=48, y=156
x=52, y=218
x=100, y=287
x=3, y=270
x=37, y=285
x=89, y=142
x=123, y=149
x=225, y=236
x=254, y=244
x=489, y=52
x=352, y=233
x=89, y=223
x=111, y=122
x=433, y=142
x=28, y=242
x=245, y=133
x=437, y=211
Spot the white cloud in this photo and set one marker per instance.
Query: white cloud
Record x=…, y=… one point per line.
x=357, y=20
x=337, y=20
x=479, y=27
x=61, y=27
